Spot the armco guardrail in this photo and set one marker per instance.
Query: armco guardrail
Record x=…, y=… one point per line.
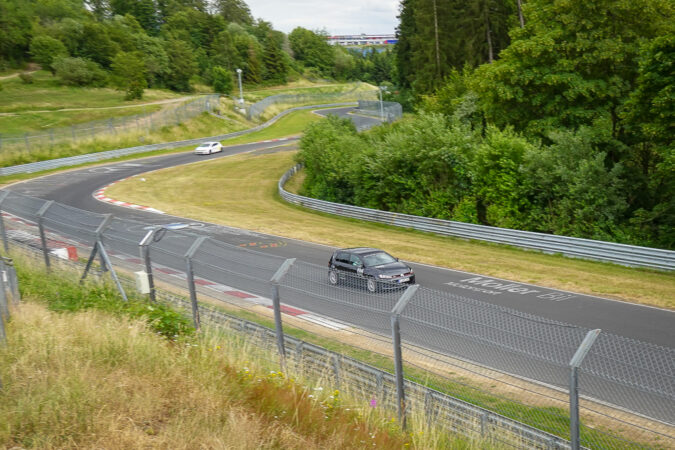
x=100, y=156
x=626, y=255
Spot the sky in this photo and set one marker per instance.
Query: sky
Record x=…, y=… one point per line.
x=336, y=17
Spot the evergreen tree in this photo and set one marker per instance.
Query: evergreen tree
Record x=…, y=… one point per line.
x=405, y=33
x=182, y=65
x=236, y=11
x=276, y=66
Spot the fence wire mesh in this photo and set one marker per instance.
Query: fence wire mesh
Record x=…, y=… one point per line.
x=258, y=109
x=388, y=111
x=473, y=367
x=174, y=114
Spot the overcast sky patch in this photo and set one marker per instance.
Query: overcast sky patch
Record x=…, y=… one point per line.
x=336, y=17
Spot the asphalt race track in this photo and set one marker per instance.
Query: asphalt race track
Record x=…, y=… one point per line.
x=643, y=323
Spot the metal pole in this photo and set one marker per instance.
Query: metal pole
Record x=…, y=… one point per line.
x=191, y=280
x=4, y=304
x=43, y=238
x=90, y=261
x=398, y=355
x=145, y=255
x=3, y=336
x=95, y=249
x=3, y=232
x=106, y=259
x=241, y=91
x=276, y=278
x=582, y=351
x=13, y=280
x=379, y=90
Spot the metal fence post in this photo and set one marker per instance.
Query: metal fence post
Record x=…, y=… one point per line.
x=4, y=304
x=106, y=264
x=145, y=256
x=3, y=336
x=191, y=280
x=43, y=238
x=276, y=278
x=398, y=355
x=3, y=232
x=582, y=351
x=13, y=280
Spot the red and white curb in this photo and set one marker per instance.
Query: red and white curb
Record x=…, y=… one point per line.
x=219, y=288
x=100, y=195
x=243, y=295
x=67, y=249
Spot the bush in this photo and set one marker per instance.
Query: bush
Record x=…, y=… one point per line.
x=79, y=72
x=46, y=50
x=222, y=80
x=26, y=77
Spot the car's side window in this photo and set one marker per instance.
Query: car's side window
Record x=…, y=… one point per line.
x=342, y=257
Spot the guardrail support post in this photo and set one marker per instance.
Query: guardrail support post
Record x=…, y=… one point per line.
x=398, y=355
x=582, y=351
x=191, y=280
x=276, y=278
x=3, y=232
x=41, y=227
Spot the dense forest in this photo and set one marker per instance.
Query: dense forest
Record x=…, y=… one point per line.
x=546, y=115
x=135, y=44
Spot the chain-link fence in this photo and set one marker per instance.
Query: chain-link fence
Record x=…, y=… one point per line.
x=357, y=93
x=471, y=367
x=173, y=114
x=386, y=111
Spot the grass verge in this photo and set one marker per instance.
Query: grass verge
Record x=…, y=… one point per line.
x=258, y=207
x=46, y=93
x=79, y=371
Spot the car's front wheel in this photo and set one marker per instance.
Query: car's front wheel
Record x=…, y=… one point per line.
x=371, y=285
x=333, y=277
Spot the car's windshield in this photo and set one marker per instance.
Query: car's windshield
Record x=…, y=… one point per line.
x=377, y=259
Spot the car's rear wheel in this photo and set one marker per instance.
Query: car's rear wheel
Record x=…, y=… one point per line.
x=371, y=285
x=333, y=277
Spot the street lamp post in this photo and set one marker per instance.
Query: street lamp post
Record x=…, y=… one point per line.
x=155, y=234
x=241, y=92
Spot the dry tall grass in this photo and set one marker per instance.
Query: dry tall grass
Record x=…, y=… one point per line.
x=91, y=380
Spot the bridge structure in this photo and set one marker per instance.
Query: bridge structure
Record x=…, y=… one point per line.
x=362, y=39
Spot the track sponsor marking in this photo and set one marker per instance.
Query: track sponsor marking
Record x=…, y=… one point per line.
x=491, y=286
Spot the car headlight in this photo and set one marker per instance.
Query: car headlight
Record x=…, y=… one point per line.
x=386, y=276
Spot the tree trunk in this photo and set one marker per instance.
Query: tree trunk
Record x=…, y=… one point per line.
x=438, y=53
x=488, y=33
x=520, y=15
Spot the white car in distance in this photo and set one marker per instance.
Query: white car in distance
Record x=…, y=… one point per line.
x=207, y=148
